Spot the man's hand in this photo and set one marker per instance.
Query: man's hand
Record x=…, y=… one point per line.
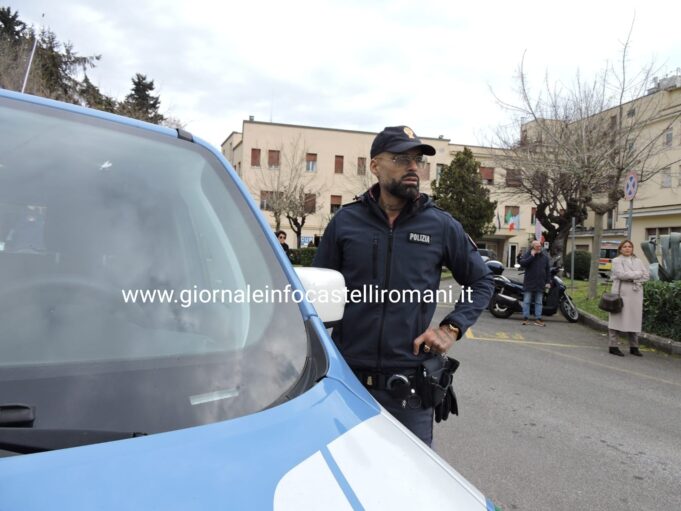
x=436, y=340
x=547, y=286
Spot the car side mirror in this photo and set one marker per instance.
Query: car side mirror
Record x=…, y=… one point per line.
x=328, y=287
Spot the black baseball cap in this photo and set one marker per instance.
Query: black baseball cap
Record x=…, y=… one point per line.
x=399, y=139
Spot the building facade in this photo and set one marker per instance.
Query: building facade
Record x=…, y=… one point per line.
x=332, y=166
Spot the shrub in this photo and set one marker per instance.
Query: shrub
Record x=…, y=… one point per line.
x=303, y=256
x=662, y=308
x=582, y=264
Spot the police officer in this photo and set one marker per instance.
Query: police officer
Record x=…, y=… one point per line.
x=394, y=238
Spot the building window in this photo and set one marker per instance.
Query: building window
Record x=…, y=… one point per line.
x=610, y=222
x=310, y=205
x=533, y=216
x=631, y=112
x=487, y=175
x=513, y=178
x=439, y=168
x=339, y=164
x=267, y=198
x=361, y=166
x=273, y=159
x=666, y=178
x=311, y=162
x=512, y=217
x=255, y=157
x=335, y=203
x=668, y=136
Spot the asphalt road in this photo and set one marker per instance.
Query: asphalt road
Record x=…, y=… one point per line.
x=549, y=420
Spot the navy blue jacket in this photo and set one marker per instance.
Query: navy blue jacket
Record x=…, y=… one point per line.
x=537, y=270
x=360, y=243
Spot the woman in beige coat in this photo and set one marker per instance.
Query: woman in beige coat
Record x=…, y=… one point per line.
x=628, y=275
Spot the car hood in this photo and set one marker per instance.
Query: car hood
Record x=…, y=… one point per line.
x=329, y=447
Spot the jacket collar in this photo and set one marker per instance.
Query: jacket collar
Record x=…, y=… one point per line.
x=370, y=198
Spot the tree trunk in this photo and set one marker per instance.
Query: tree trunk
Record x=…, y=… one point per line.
x=297, y=227
x=595, y=255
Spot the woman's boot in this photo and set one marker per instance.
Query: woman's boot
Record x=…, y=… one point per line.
x=614, y=341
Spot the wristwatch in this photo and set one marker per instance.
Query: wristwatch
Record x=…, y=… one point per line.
x=453, y=329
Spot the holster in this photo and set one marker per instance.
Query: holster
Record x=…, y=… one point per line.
x=433, y=382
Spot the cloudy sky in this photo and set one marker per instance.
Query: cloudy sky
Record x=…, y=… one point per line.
x=352, y=64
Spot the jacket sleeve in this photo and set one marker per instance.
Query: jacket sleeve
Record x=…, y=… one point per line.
x=526, y=259
x=328, y=253
x=547, y=268
x=645, y=271
x=463, y=260
x=620, y=273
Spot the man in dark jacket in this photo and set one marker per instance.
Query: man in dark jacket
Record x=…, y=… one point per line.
x=394, y=239
x=537, y=277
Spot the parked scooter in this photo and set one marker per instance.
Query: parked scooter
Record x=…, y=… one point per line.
x=508, y=297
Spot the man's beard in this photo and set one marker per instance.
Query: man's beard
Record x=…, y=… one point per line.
x=399, y=189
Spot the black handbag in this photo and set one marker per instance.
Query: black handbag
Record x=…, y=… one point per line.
x=611, y=302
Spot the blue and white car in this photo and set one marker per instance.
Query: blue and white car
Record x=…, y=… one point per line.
x=127, y=383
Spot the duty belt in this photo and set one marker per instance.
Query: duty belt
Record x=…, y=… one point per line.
x=398, y=384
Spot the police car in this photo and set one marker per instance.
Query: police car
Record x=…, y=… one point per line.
x=153, y=354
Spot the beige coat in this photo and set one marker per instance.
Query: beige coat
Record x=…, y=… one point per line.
x=630, y=273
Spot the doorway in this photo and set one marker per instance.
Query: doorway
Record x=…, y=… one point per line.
x=512, y=254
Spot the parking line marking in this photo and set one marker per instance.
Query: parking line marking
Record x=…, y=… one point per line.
x=469, y=334
x=540, y=343
x=501, y=335
x=626, y=371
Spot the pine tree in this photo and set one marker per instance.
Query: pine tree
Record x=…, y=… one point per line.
x=11, y=26
x=92, y=97
x=141, y=103
x=460, y=191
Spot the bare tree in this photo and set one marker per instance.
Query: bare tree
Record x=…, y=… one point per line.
x=577, y=144
x=287, y=188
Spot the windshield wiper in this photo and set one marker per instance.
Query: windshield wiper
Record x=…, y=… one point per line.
x=28, y=441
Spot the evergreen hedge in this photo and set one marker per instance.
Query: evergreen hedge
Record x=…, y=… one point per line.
x=662, y=308
x=582, y=264
x=303, y=256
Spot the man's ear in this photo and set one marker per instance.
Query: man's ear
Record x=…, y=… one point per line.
x=373, y=166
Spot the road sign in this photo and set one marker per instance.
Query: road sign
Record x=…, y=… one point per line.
x=630, y=186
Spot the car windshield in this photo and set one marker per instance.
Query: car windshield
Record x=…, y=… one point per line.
x=94, y=214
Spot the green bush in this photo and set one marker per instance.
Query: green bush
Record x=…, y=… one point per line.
x=303, y=256
x=662, y=308
x=582, y=264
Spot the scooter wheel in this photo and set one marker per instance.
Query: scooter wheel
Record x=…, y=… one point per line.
x=569, y=309
x=498, y=310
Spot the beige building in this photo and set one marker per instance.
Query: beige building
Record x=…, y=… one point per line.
x=334, y=166
x=657, y=204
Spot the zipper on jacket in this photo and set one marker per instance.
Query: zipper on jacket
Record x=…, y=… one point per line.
x=386, y=283
x=374, y=258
